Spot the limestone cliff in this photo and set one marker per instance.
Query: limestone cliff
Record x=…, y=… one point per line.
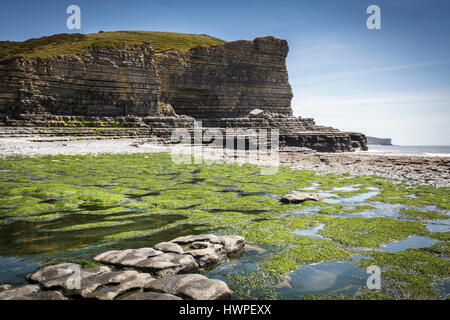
x=97, y=83
x=227, y=80
x=134, y=86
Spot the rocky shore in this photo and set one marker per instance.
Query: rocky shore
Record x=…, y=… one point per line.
x=165, y=272
x=410, y=169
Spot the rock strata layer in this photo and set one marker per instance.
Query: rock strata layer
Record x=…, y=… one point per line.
x=239, y=84
x=184, y=254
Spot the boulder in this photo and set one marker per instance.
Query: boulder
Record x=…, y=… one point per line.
x=168, y=263
x=61, y=276
x=151, y=296
x=19, y=293
x=45, y=295
x=121, y=283
x=169, y=247
x=206, y=257
x=299, y=197
x=171, y=284
x=232, y=244
x=256, y=113
x=197, y=238
x=205, y=289
x=126, y=258
x=5, y=287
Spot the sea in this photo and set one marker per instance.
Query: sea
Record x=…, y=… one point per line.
x=423, y=151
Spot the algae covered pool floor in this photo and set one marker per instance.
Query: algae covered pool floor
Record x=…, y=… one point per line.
x=70, y=208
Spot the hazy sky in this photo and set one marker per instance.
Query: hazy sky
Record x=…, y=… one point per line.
x=393, y=82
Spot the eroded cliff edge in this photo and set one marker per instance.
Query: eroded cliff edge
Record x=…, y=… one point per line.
x=218, y=84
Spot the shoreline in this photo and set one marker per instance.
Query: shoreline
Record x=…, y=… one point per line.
x=434, y=171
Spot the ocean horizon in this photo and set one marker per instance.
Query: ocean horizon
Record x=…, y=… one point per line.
x=423, y=151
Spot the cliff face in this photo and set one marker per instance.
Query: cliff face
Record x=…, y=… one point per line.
x=133, y=86
x=223, y=80
x=379, y=141
x=229, y=80
x=99, y=83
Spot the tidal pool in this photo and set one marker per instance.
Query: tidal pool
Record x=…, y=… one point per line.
x=70, y=208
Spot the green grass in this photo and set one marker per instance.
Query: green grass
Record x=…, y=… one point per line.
x=68, y=44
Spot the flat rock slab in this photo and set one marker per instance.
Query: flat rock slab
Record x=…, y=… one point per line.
x=181, y=255
x=299, y=197
x=191, y=287
x=172, y=261
x=151, y=296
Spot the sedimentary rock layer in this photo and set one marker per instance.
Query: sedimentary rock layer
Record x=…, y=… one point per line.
x=101, y=82
x=227, y=80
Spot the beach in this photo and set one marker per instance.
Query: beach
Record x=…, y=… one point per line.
x=410, y=169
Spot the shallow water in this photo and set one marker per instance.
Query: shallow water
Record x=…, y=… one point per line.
x=311, y=232
x=331, y=278
x=408, y=243
x=89, y=205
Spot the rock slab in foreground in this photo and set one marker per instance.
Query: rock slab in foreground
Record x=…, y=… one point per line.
x=181, y=255
x=184, y=254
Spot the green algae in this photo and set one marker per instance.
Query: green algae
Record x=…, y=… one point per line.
x=17, y=200
x=410, y=273
x=440, y=249
x=42, y=218
x=445, y=236
x=103, y=224
x=423, y=215
x=43, y=194
x=370, y=232
x=30, y=209
x=341, y=209
x=306, y=251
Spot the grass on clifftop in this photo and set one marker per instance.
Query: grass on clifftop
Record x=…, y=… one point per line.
x=67, y=44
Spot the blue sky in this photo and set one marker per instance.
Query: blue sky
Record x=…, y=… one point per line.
x=393, y=82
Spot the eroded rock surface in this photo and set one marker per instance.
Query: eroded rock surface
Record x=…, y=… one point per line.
x=299, y=197
x=172, y=263
x=181, y=255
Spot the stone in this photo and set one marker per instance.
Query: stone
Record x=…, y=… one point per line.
x=45, y=295
x=256, y=113
x=151, y=296
x=169, y=247
x=205, y=289
x=206, y=257
x=89, y=285
x=299, y=197
x=126, y=258
x=59, y=276
x=19, y=293
x=53, y=272
x=197, y=238
x=168, y=263
x=170, y=284
x=5, y=287
x=121, y=283
x=232, y=244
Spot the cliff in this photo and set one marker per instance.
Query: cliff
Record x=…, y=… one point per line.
x=228, y=80
x=379, y=141
x=204, y=82
x=136, y=86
